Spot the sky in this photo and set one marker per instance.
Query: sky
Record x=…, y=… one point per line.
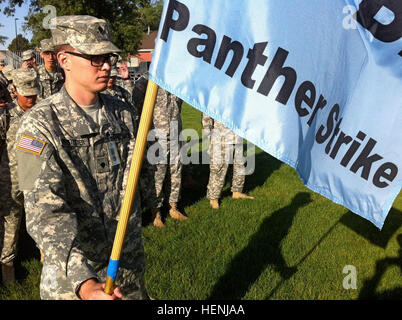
x=9, y=25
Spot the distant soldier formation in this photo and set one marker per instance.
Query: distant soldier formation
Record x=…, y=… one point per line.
x=67, y=132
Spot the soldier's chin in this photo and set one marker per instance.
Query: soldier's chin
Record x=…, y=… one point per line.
x=102, y=86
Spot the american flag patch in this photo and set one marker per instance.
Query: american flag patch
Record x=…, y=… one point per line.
x=30, y=144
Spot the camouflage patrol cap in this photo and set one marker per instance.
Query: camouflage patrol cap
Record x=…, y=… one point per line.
x=27, y=55
x=87, y=34
x=26, y=82
x=46, y=45
x=7, y=71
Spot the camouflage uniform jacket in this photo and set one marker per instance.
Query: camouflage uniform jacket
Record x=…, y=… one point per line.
x=10, y=89
x=125, y=84
x=4, y=93
x=4, y=124
x=3, y=78
x=167, y=109
x=8, y=160
x=73, y=188
x=50, y=83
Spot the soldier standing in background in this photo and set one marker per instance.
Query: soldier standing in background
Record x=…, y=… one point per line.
x=73, y=171
x=119, y=92
x=3, y=79
x=50, y=78
x=166, y=116
x=11, y=198
x=124, y=80
x=223, y=140
x=5, y=99
x=8, y=72
x=29, y=60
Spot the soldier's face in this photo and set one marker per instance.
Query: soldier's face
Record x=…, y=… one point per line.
x=29, y=63
x=26, y=102
x=80, y=72
x=49, y=57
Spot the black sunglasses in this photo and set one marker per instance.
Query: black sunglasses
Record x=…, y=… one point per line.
x=98, y=60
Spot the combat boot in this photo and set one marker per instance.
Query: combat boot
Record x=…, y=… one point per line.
x=214, y=204
x=239, y=195
x=7, y=272
x=176, y=214
x=157, y=218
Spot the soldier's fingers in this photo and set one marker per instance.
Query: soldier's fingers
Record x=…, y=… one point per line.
x=117, y=293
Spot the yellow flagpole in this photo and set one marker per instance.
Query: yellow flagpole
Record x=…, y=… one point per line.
x=132, y=182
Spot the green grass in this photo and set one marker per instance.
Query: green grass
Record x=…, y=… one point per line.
x=288, y=243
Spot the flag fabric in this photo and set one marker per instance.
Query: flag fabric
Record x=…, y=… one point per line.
x=317, y=84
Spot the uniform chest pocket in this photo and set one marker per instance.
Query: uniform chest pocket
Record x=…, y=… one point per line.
x=102, y=164
x=79, y=151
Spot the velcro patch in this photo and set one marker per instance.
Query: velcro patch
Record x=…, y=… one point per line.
x=30, y=144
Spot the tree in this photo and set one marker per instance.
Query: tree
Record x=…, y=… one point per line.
x=128, y=19
x=151, y=15
x=2, y=38
x=20, y=44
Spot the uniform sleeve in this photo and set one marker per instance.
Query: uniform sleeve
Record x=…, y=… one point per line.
x=207, y=122
x=50, y=220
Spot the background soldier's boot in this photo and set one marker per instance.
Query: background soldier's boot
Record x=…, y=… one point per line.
x=157, y=218
x=239, y=195
x=214, y=204
x=176, y=214
x=7, y=272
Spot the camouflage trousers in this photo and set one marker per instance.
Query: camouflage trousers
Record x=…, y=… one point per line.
x=12, y=210
x=221, y=155
x=157, y=178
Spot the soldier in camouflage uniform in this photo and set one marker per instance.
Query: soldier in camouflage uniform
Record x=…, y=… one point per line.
x=78, y=148
x=222, y=150
x=4, y=95
x=166, y=113
x=119, y=92
x=3, y=79
x=5, y=99
x=50, y=78
x=8, y=73
x=11, y=198
x=124, y=80
x=29, y=60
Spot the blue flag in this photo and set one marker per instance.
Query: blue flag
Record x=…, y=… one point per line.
x=317, y=84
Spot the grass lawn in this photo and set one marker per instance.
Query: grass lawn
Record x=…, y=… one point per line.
x=288, y=243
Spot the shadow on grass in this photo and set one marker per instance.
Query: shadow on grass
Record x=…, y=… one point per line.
x=263, y=249
x=381, y=239
x=370, y=232
x=369, y=286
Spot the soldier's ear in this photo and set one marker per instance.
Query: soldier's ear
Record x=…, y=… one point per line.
x=64, y=60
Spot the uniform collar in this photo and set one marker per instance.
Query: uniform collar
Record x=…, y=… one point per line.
x=16, y=110
x=78, y=121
